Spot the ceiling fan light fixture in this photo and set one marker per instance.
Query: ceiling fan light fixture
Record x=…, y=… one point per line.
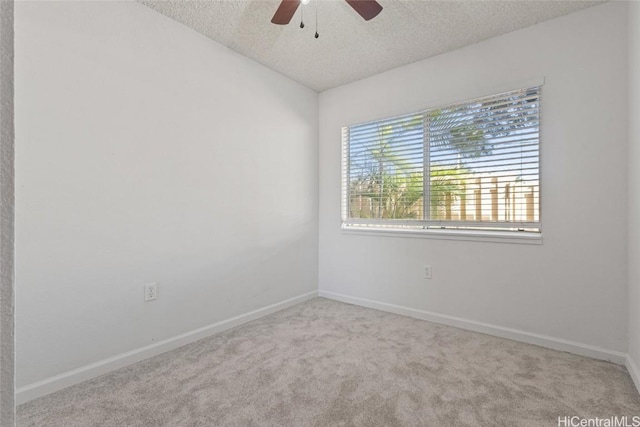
x=367, y=9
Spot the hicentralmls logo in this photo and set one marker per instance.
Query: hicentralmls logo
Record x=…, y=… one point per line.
x=615, y=421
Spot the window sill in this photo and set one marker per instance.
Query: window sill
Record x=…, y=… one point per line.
x=466, y=235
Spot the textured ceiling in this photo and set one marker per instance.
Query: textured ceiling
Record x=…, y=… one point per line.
x=350, y=48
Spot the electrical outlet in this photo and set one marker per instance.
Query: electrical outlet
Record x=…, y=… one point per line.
x=150, y=291
x=427, y=272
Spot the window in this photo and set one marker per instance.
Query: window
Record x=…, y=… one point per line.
x=468, y=166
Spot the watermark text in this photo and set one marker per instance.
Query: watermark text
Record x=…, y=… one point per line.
x=614, y=421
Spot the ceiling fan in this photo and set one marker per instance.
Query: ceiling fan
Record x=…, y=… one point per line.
x=368, y=9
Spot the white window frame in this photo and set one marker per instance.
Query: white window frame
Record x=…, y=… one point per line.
x=526, y=233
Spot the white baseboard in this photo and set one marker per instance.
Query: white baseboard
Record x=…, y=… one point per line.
x=489, y=329
x=634, y=371
x=75, y=376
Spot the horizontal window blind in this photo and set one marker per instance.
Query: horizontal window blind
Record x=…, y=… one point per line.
x=471, y=165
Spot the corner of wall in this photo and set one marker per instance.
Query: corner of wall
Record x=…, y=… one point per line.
x=7, y=361
x=633, y=358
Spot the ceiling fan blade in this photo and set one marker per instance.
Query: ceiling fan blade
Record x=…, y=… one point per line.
x=285, y=12
x=368, y=9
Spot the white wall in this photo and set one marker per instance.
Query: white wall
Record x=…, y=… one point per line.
x=148, y=153
x=7, y=363
x=634, y=190
x=572, y=287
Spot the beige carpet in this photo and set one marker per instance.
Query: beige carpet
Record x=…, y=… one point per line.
x=324, y=363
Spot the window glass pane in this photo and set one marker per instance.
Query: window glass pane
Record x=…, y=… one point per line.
x=386, y=169
x=484, y=160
